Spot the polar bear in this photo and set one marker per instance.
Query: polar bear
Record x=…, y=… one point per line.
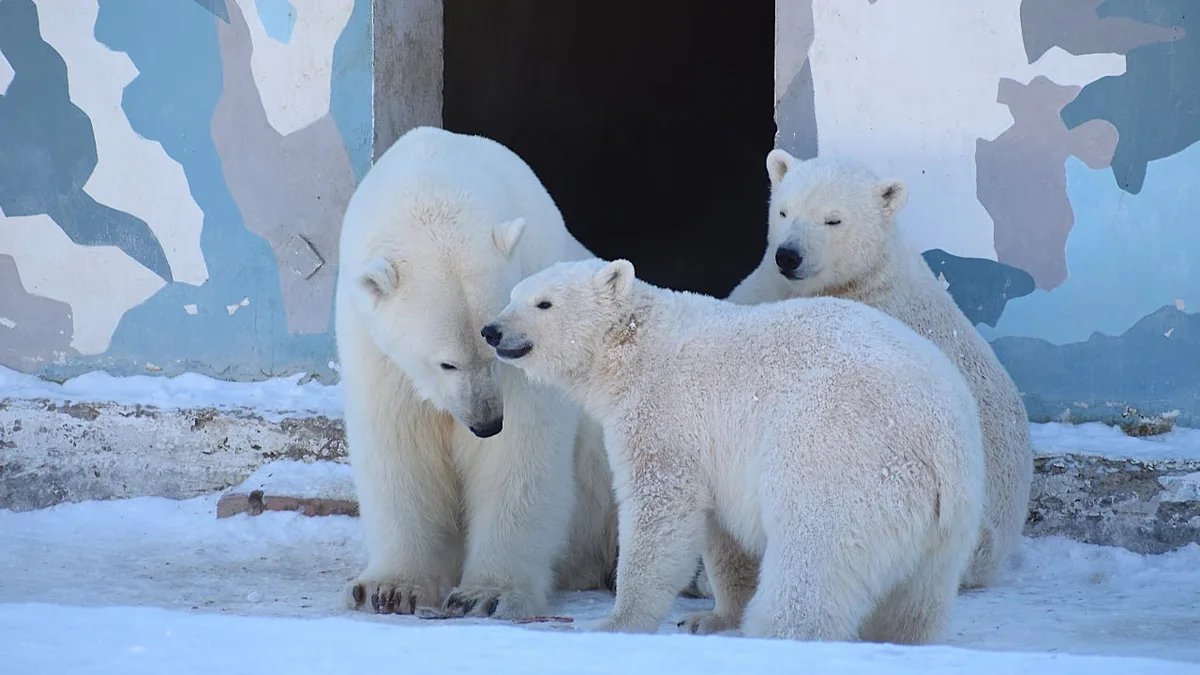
x=832, y=232
x=820, y=436
x=468, y=475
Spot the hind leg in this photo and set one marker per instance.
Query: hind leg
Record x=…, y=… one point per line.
x=984, y=564
x=802, y=595
x=734, y=576
x=916, y=611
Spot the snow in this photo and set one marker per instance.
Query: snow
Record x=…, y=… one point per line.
x=154, y=585
x=130, y=641
x=273, y=398
x=1105, y=441
x=141, y=583
x=286, y=397
x=302, y=480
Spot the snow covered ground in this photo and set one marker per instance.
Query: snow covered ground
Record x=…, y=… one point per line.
x=142, y=584
x=151, y=585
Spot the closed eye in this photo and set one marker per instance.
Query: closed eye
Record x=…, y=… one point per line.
x=833, y=221
x=448, y=366
x=545, y=304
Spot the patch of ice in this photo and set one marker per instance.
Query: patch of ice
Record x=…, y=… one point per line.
x=1102, y=440
x=40, y=638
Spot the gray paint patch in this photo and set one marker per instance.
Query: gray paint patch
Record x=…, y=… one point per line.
x=796, y=109
x=33, y=329
x=1152, y=366
x=1155, y=103
x=292, y=190
x=1021, y=176
x=981, y=288
x=1075, y=26
x=216, y=7
x=50, y=150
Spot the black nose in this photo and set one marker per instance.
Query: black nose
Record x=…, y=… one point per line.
x=492, y=335
x=489, y=429
x=788, y=259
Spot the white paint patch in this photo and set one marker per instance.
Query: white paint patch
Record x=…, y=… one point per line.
x=100, y=283
x=191, y=309
x=6, y=74
x=7, y=322
x=233, y=308
x=910, y=93
x=294, y=79
x=133, y=174
x=1179, y=304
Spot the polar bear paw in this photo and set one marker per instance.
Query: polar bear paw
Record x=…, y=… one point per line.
x=392, y=595
x=499, y=603
x=707, y=623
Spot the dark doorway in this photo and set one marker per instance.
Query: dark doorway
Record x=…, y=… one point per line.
x=648, y=121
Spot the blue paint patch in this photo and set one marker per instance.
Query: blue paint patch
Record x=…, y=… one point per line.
x=351, y=88
x=278, y=19
x=174, y=46
x=1127, y=255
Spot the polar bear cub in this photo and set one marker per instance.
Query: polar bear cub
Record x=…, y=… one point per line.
x=832, y=232
x=479, y=491
x=820, y=435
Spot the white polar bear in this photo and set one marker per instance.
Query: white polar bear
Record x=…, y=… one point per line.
x=436, y=235
x=832, y=232
x=819, y=435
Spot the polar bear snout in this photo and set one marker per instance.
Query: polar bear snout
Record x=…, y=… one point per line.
x=513, y=348
x=789, y=260
x=488, y=429
x=492, y=334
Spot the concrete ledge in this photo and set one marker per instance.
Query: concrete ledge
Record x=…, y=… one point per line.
x=1142, y=505
x=54, y=452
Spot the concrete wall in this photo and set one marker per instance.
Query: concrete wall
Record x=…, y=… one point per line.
x=1050, y=150
x=172, y=179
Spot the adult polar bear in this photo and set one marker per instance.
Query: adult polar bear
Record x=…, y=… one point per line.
x=825, y=437
x=832, y=232
x=436, y=235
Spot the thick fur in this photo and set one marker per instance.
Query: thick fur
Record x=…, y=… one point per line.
x=436, y=235
x=840, y=218
x=820, y=436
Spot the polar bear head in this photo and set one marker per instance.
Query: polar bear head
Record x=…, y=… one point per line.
x=830, y=221
x=556, y=321
x=425, y=289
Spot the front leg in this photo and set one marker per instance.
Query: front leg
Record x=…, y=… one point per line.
x=660, y=528
x=519, y=490
x=407, y=494
x=733, y=574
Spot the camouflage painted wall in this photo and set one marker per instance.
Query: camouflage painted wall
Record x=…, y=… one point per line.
x=172, y=178
x=1051, y=151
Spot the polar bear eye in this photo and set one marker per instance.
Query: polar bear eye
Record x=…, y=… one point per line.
x=448, y=366
x=782, y=213
x=833, y=221
x=545, y=304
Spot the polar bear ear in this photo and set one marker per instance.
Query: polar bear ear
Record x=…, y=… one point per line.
x=616, y=277
x=379, y=277
x=893, y=195
x=507, y=234
x=779, y=162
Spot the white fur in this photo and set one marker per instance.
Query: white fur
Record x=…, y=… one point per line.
x=820, y=436
x=865, y=258
x=436, y=235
